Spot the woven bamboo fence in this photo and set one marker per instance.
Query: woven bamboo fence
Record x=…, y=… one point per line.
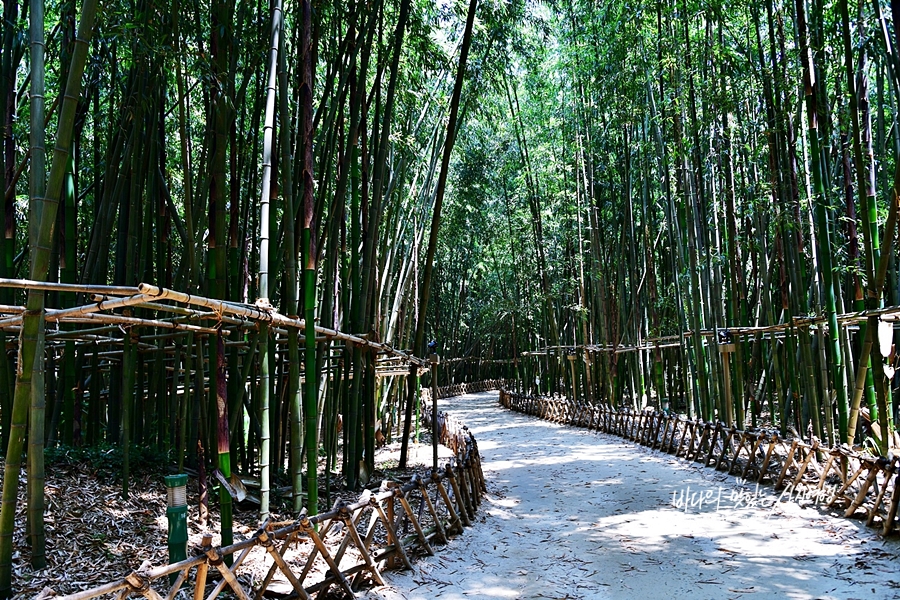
x=856, y=482
x=349, y=544
x=458, y=389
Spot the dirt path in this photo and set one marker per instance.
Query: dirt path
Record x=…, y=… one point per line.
x=576, y=514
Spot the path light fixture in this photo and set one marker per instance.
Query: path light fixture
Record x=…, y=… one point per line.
x=176, y=512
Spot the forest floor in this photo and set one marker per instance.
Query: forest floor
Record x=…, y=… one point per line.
x=576, y=514
x=94, y=536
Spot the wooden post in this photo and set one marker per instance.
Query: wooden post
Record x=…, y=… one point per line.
x=435, y=429
x=726, y=348
x=575, y=394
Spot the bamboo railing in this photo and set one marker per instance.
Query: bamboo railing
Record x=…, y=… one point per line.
x=458, y=389
x=841, y=476
x=352, y=541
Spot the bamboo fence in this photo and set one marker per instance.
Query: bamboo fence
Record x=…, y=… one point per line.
x=380, y=530
x=858, y=483
x=458, y=389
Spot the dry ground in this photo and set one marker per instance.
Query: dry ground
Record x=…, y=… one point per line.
x=95, y=537
x=577, y=514
x=569, y=514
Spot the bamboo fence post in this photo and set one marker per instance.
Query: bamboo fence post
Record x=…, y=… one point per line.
x=217, y=560
x=307, y=527
x=765, y=465
x=442, y=534
x=787, y=463
x=271, y=573
x=839, y=495
x=805, y=464
x=874, y=468
x=712, y=445
x=889, y=471
x=828, y=463
x=888, y=525
x=461, y=508
x=267, y=542
x=455, y=524
x=726, y=446
x=737, y=453
x=353, y=534
x=703, y=438
x=388, y=523
x=202, y=569
x=401, y=496
x=751, y=457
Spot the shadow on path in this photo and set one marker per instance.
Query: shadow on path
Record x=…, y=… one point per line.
x=577, y=514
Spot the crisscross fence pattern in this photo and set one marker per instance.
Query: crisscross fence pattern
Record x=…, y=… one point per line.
x=458, y=389
x=839, y=476
x=349, y=543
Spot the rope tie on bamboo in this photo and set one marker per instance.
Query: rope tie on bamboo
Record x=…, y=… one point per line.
x=265, y=540
x=215, y=557
x=137, y=581
x=305, y=524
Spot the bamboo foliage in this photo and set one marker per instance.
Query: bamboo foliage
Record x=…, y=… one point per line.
x=608, y=192
x=178, y=129
x=717, y=213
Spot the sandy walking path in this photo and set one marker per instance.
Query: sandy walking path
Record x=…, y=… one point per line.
x=577, y=514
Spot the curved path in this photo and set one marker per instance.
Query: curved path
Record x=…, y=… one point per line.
x=577, y=514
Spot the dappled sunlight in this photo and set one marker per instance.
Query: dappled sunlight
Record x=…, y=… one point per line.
x=578, y=514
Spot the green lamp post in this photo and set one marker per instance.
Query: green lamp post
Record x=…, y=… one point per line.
x=176, y=512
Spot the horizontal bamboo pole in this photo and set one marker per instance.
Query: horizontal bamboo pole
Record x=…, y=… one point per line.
x=138, y=322
x=267, y=314
x=48, y=286
x=62, y=314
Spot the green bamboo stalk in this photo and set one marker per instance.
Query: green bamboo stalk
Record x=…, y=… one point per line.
x=419, y=346
x=290, y=291
x=264, y=229
x=310, y=404
x=37, y=193
x=823, y=225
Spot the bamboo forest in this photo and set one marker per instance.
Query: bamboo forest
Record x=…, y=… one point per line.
x=276, y=254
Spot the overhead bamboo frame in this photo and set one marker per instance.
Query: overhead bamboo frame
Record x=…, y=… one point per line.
x=151, y=297
x=777, y=331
